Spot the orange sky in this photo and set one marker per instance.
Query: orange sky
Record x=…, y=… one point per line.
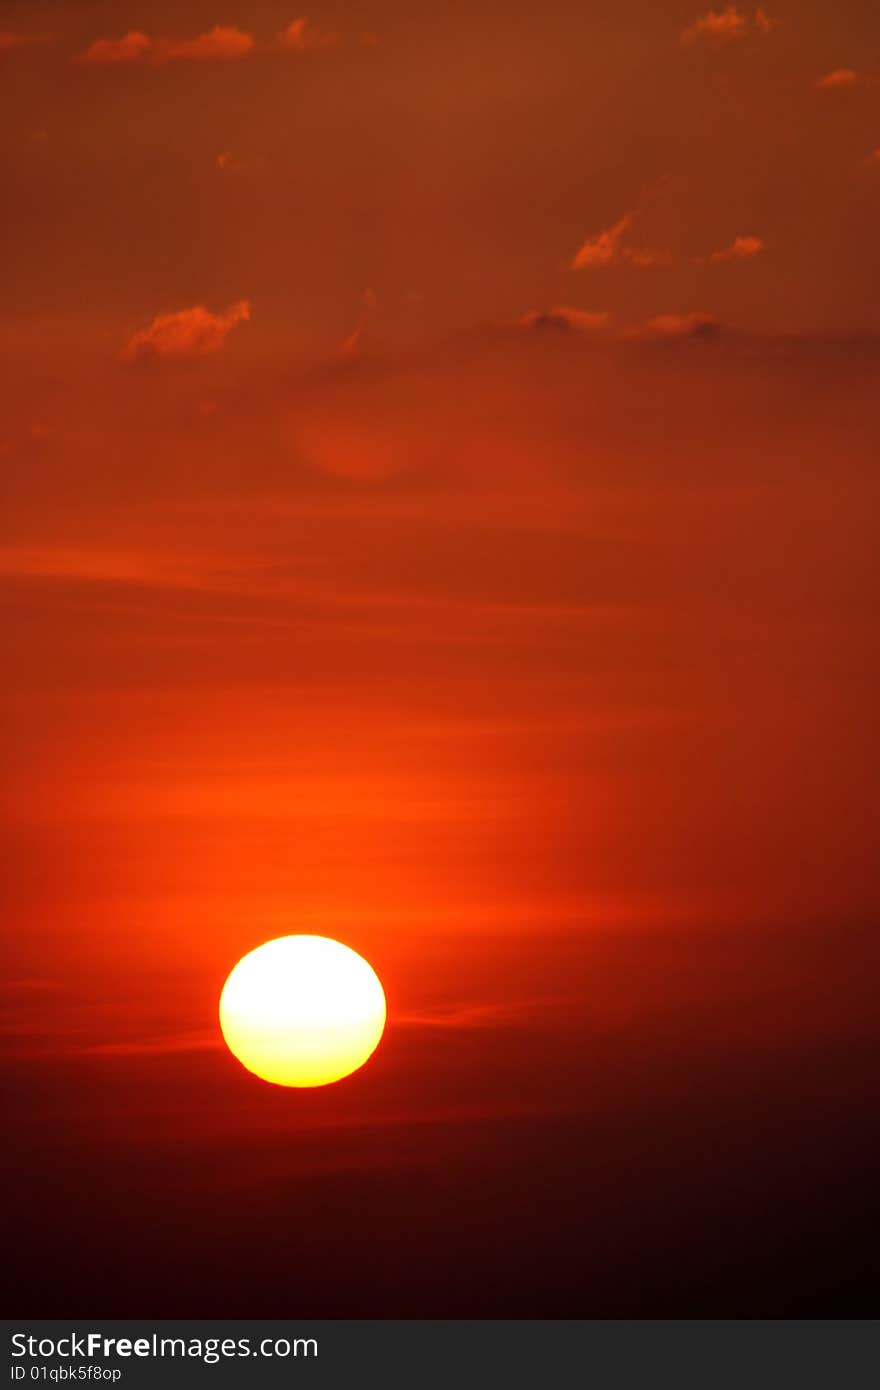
x=439, y=455
x=452, y=163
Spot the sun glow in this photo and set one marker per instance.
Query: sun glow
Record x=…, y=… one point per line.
x=302, y=1011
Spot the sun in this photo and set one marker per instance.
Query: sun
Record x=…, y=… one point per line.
x=302, y=1011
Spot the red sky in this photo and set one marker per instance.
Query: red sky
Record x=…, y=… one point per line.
x=440, y=500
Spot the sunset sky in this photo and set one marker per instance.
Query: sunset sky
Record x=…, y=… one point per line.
x=441, y=512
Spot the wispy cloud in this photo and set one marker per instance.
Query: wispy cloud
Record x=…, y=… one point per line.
x=607, y=248
x=97, y=564
x=563, y=319
x=465, y=1018
x=720, y=27
x=603, y=248
x=192, y=332
x=647, y=258
x=158, y=1046
x=300, y=36
x=349, y=349
x=228, y=164
x=471, y=1016
x=351, y=346
x=222, y=43
x=742, y=248
x=132, y=47
x=673, y=327
x=838, y=80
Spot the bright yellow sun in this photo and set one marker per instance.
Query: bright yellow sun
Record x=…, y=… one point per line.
x=302, y=1011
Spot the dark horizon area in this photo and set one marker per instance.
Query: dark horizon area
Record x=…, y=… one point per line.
x=697, y=1143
